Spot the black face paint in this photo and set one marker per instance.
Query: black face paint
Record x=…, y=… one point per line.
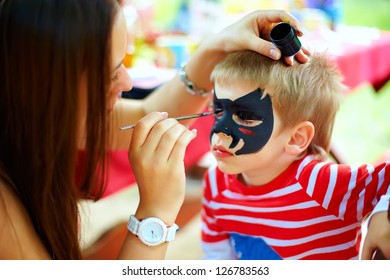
x=249, y=118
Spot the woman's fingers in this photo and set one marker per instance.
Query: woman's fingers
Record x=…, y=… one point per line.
x=302, y=56
x=158, y=132
x=168, y=141
x=157, y=138
x=143, y=127
x=157, y=159
x=181, y=144
x=266, y=48
x=266, y=20
x=280, y=16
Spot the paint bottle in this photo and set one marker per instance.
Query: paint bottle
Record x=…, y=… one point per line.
x=283, y=36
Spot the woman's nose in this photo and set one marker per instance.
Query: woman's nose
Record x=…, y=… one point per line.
x=127, y=81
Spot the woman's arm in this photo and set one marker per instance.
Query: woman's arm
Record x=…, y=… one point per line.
x=156, y=155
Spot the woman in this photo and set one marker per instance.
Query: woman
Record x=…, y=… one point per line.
x=61, y=74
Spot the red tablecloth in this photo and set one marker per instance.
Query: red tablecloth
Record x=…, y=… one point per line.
x=366, y=63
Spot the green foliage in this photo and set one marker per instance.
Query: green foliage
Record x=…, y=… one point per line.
x=371, y=13
x=362, y=130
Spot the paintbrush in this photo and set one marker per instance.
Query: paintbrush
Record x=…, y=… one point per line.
x=193, y=116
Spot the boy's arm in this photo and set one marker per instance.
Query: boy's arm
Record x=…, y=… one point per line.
x=377, y=240
x=215, y=242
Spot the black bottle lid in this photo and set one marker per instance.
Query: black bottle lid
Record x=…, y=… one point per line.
x=283, y=36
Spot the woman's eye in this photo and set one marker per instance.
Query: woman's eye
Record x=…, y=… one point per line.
x=116, y=76
x=247, y=118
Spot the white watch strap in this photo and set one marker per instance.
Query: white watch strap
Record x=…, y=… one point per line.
x=172, y=232
x=134, y=223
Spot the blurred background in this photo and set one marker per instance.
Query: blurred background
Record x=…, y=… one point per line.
x=157, y=23
x=371, y=13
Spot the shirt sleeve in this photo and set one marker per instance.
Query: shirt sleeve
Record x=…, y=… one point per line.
x=348, y=192
x=383, y=204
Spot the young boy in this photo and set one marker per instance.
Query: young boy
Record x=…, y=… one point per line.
x=273, y=195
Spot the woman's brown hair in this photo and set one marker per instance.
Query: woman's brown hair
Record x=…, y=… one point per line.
x=46, y=46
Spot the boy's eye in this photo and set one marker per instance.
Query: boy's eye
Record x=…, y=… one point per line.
x=247, y=115
x=247, y=118
x=218, y=109
x=218, y=113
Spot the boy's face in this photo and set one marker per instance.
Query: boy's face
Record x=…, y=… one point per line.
x=244, y=133
x=246, y=117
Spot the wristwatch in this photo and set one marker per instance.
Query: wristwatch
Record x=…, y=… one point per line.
x=152, y=231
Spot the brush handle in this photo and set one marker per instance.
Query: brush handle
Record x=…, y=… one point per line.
x=193, y=116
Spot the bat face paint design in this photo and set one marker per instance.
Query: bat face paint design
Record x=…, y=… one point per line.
x=249, y=118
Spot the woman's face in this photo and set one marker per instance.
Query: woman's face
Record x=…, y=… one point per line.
x=120, y=79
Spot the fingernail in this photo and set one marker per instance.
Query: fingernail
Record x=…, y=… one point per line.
x=194, y=131
x=275, y=54
x=299, y=30
x=165, y=114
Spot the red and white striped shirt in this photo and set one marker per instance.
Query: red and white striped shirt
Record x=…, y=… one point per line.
x=313, y=210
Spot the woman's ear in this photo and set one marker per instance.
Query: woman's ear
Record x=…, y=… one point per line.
x=301, y=136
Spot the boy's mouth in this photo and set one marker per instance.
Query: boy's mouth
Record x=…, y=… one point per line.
x=220, y=151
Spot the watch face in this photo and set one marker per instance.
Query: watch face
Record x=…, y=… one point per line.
x=152, y=231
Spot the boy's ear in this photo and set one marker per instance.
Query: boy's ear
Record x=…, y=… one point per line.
x=301, y=136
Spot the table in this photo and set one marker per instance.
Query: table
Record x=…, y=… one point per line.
x=362, y=54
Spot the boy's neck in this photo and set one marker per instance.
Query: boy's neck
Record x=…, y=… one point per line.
x=263, y=176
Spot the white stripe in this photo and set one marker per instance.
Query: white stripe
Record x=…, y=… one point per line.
x=305, y=162
x=313, y=178
x=213, y=181
x=216, y=205
x=331, y=186
x=277, y=223
x=300, y=241
x=351, y=185
x=209, y=219
x=360, y=205
x=370, y=170
x=323, y=250
x=208, y=231
x=382, y=205
x=277, y=193
x=381, y=179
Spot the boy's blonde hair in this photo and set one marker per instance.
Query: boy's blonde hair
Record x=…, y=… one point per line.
x=301, y=92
